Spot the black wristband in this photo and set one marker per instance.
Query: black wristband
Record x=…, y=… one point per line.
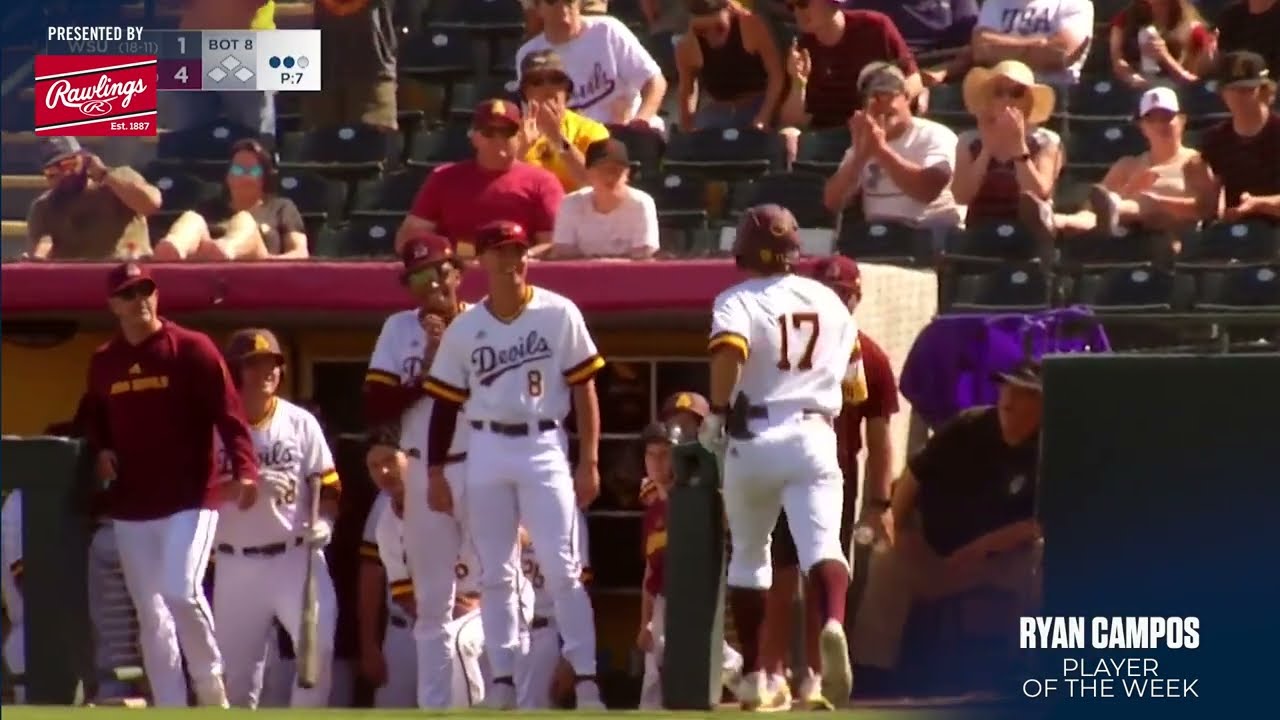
x=877, y=503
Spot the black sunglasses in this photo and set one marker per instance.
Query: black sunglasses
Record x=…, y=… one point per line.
x=140, y=290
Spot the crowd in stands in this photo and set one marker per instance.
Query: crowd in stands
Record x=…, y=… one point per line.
x=625, y=131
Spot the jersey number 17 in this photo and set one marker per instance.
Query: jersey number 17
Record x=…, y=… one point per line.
x=804, y=328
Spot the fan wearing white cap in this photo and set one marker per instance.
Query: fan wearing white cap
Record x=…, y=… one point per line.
x=1150, y=190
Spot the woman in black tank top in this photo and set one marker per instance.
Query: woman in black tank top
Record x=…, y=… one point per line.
x=729, y=57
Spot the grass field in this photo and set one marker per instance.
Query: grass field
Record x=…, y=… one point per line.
x=115, y=713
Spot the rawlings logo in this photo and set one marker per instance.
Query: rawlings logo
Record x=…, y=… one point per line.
x=93, y=100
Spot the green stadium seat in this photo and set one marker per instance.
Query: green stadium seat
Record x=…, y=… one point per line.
x=390, y=195
x=820, y=151
x=19, y=191
x=439, y=55
x=1099, y=143
x=477, y=16
x=681, y=200
x=209, y=143
x=1103, y=97
x=360, y=237
x=1242, y=289
x=1131, y=290
x=181, y=191
x=320, y=199
x=1227, y=243
x=464, y=97
x=799, y=192
x=346, y=151
x=502, y=54
x=1006, y=289
x=992, y=243
x=447, y=144
x=725, y=154
x=1099, y=250
x=644, y=146
x=885, y=243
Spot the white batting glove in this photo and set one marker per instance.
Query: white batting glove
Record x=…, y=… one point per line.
x=711, y=435
x=278, y=485
x=320, y=534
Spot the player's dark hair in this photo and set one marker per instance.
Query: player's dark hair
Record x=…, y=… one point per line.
x=270, y=174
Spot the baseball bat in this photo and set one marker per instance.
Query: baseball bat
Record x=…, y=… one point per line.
x=308, y=643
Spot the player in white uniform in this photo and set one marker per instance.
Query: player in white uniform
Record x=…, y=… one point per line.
x=537, y=669
x=397, y=409
x=781, y=345
x=384, y=539
x=262, y=552
x=15, y=646
x=514, y=362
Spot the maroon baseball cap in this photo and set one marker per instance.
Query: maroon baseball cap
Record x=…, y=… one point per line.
x=839, y=271
x=499, y=233
x=424, y=250
x=127, y=275
x=496, y=112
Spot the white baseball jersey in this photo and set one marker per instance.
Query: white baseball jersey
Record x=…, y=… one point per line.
x=544, y=605
x=515, y=371
x=388, y=533
x=398, y=360
x=11, y=552
x=799, y=339
x=289, y=440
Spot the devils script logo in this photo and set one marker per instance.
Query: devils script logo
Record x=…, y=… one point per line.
x=95, y=95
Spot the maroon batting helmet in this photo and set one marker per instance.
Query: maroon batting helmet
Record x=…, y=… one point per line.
x=253, y=342
x=768, y=239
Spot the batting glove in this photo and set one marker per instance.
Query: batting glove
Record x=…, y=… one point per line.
x=711, y=435
x=280, y=486
x=320, y=534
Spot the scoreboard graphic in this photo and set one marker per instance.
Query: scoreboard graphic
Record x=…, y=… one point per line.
x=191, y=60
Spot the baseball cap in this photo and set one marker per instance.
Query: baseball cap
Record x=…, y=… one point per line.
x=688, y=401
x=840, y=271
x=607, y=151
x=769, y=226
x=1241, y=68
x=1158, y=98
x=545, y=62
x=1028, y=375
x=705, y=7
x=881, y=77
x=253, y=342
x=126, y=275
x=500, y=233
x=495, y=112
x=423, y=251
x=54, y=149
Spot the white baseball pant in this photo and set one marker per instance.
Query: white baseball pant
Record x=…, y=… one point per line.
x=254, y=589
x=527, y=480
x=537, y=668
x=651, y=685
x=15, y=658
x=466, y=634
x=791, y=463
x=400, y=652
x=164, y=562
x=279, y=674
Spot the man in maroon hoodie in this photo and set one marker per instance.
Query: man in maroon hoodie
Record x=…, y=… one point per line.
x=157, y=393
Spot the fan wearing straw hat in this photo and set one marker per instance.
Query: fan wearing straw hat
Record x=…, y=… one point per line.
x=1009, y=153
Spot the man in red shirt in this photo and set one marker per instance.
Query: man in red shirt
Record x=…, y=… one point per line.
x=843, y=276
x=459, y=197
x=833, y=47
x=157, y=393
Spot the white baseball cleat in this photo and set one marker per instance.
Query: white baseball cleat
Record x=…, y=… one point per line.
x=501, y=696
x=211, y=693
x=837, y=673
x=757, y=694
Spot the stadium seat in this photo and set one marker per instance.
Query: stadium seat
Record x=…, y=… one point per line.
x=884, y=243
x=447, y=144
x=19, y=191
x=19, y=111
x=320, y=199
x=801, y=193
x=1098, y=249
x=681, y=200
x=439, y=55
x=1102, y=97
x=180, y=191
x=946, y=105
x=1008, y=289
x=478, y=16
x=20, y=154
x=361, y=237
x=390, y=195
x=820, y=151
x=992, y=243
x=1225, y=243
x=502, y=55
x=725, y=154
x=644, y=146
x=1100, y=143
x=210, y=143
x=465, y=97
x=1203, y=105
x=1242, y=289
x=347, y=151
x=1130, y=290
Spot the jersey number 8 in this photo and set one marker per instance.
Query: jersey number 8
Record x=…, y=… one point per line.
x=291, y=495
x=805, y=325
x=535, y=383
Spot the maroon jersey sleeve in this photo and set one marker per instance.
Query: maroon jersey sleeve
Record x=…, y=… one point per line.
x=218, y=399
x=93, y=409
x=385, y=404
x=655, y=546
x=882, y=387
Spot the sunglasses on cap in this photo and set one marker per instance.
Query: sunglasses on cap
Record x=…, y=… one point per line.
x=425, y=278
x=143, y=289
x=67, y=164
x=253, y=171
x=497, y=131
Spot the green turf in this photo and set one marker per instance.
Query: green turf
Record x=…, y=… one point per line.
x=114, y=713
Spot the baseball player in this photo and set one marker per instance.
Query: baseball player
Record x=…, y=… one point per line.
x=397, y=407
x=683, y=410
x=393, y=666
x=536, y=670
x=781, y=345
x=517, y=361
x=263, y=550
x=15, y=646
x=156, y=396
x=464, y=630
